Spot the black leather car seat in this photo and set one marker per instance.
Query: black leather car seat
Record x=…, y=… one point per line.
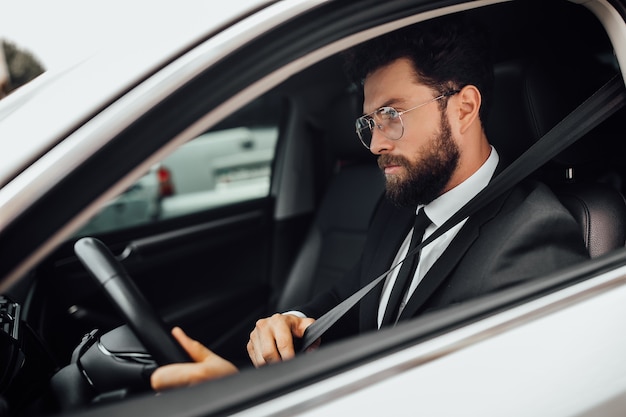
x=525, y=106
x=531, y=99
x=600, y=210
x=336, y=237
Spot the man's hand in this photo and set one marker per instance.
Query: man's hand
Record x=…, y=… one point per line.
x=207, y=366
x=272, y=338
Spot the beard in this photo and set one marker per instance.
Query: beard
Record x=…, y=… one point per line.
x=427, y=177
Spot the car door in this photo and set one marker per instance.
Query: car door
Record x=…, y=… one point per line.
x=195, y=233
x=334, y=372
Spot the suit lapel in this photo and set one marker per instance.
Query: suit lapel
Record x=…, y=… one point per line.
x=450, y=258
x=399, y=221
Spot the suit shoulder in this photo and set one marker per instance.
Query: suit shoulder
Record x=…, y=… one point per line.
x=536, y=194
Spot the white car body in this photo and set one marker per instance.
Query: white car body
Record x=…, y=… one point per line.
x=538, y=358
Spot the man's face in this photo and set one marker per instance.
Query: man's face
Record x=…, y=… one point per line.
x=419, y=165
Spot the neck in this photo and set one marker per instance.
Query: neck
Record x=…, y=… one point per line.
x=472, y=158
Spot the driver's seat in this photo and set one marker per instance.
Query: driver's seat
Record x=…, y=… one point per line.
x=336, y=237
x=524, y=110
x=532, y=98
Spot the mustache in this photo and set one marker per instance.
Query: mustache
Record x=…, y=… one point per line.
x=386, y=160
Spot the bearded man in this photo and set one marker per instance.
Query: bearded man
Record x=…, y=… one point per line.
x=426, y=91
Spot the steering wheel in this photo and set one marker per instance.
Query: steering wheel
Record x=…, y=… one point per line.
x=139, y=314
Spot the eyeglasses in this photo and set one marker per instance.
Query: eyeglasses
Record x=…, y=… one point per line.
x=388, y=121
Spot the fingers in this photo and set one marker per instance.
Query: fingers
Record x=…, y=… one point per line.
x=314, y=346
x=301, y=326
x=175, y=375
x=185, y=374
x=272, y=338
x=196, y=350
x=207, y=366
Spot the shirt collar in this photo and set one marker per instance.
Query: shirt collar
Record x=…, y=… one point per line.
x=444, y=206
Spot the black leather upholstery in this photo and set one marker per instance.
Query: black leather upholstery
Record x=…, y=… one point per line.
x=527, y=103
x=336, y=238
x=337, y=235
x=507, y=126
x=600, y=210
x=531, y=100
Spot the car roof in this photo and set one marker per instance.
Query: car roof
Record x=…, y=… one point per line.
x=40, y=112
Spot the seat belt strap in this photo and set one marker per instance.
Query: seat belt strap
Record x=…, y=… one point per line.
x=593, y=111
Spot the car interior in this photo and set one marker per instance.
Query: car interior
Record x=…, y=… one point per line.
x=215, y=271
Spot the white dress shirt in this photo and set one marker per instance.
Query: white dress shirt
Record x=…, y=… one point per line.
x=438, y=211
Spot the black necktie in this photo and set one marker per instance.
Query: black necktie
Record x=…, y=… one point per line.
x=407, y=271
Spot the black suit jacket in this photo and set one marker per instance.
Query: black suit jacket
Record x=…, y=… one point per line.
x=521, y=235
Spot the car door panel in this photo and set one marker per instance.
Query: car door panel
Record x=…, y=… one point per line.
x=194, y=233
x=208, y=273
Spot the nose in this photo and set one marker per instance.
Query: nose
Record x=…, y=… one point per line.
x=380, y=143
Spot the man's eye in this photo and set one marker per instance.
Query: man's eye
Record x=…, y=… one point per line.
x=388, y=113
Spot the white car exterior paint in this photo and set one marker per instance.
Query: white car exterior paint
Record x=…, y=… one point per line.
x=547, y=330
x=27, y=187
x=554, y=339
x=70, y=96
x=545, y=361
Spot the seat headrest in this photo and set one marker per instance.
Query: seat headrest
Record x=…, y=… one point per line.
x=343, y=140
x=531, y=97
x=507, y=126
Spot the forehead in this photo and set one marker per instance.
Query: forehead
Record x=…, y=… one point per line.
x=394, y=84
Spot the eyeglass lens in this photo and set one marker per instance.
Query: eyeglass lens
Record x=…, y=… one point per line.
x=386, y=119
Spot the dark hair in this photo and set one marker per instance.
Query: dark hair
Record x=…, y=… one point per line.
x=447, y=53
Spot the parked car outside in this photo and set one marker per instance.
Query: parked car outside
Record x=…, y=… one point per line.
x=215, y=169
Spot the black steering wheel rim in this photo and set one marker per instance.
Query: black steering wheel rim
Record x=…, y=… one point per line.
x=122, y=291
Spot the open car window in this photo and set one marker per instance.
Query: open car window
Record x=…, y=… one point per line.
x=229, y=164
x=248, y=218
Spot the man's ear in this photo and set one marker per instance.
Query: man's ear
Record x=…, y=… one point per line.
x=469, y=101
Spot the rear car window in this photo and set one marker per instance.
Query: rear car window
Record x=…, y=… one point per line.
x=229, y=164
